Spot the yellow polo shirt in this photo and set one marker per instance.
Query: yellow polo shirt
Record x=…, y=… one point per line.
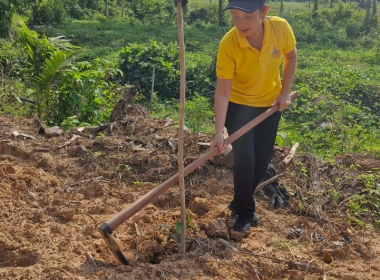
x=255, y=74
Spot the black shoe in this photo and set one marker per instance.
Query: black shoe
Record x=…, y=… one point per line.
x=255, y=219
x=243, y=224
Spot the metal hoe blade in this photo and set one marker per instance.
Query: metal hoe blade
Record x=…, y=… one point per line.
x=111, y=243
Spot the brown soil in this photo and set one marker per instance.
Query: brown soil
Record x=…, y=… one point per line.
x=54, y=196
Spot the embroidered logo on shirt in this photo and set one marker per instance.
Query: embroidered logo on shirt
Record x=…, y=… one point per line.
x=276, y=52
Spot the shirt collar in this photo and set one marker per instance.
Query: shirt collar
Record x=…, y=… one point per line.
x=269, y=32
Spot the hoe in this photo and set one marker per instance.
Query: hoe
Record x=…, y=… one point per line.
x=109, y=226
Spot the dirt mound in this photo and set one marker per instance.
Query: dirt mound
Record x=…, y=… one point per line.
x=56, y=191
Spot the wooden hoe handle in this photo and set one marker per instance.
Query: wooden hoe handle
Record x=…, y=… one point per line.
x=110, y=225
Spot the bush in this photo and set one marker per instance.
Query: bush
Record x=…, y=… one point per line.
x=49, y=13
x=353, y=29
x=207, y=14
x=75, y=12
x=137, y=62
x=84, y=93
x=200, y=73
x=199, y=114
x=153, y=11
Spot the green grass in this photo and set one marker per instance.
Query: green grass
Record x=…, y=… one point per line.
x=103, y=39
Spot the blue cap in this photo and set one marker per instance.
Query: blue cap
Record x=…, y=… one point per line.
x=248, y=6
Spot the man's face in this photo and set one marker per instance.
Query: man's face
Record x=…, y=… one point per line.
x=248, y=24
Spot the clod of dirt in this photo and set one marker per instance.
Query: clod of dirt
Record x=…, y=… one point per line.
x=200, y=206
x=296, y=275
x=327, y=256
x=211, y=268
x=212, y=186
x=46, y=162
x=225, y=159
x=238, y=235
x=217, y=229
x=340, y=254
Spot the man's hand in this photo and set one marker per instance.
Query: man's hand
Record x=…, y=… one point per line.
x=283, y=101
x=219, y=142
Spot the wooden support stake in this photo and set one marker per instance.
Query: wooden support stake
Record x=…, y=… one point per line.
x=181, y=125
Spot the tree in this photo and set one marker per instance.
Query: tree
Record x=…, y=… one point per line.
x=282, y=7
x=315, y=5
x=5, y=18
x=220, y=12
x=106, y=12
x=374, y=10
x=90, y=4
x=368, y=10
x=122, y=8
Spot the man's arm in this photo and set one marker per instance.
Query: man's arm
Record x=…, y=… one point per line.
x=222, y=96
x=289, y=68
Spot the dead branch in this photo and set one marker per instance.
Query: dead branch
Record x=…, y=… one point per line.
x=97, y=179
x=81, y=134
x=204, y=144
x=72, y=140
x=88, y=215
x=285, y=161
x=227, y=244
x=274, y=178
x=42, y=150
x=291, y=153
x=291, y=264
x=16, y=134
x=137, y=250
x=90, y=259
x=92, y=129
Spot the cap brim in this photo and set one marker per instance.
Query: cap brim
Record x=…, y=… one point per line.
x=248, y=7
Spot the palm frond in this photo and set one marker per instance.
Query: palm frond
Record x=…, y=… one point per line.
x=50, y=69
x=60, y=42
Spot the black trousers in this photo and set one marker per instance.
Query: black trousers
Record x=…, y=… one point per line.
x=252, y=153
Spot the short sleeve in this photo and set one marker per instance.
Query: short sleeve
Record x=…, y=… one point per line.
x=225, y=63
x=289, y=39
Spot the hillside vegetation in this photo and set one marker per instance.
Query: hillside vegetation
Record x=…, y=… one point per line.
x=337, y=77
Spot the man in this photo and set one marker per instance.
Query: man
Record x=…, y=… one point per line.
x=248, y=83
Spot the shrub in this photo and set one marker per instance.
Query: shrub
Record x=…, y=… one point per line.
x=200, y=73
x=75, y=11
x=353, y=29
x=207, y=14
x=138, y=60
x=199, y=113
x=84, y=93
x=51, y=12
